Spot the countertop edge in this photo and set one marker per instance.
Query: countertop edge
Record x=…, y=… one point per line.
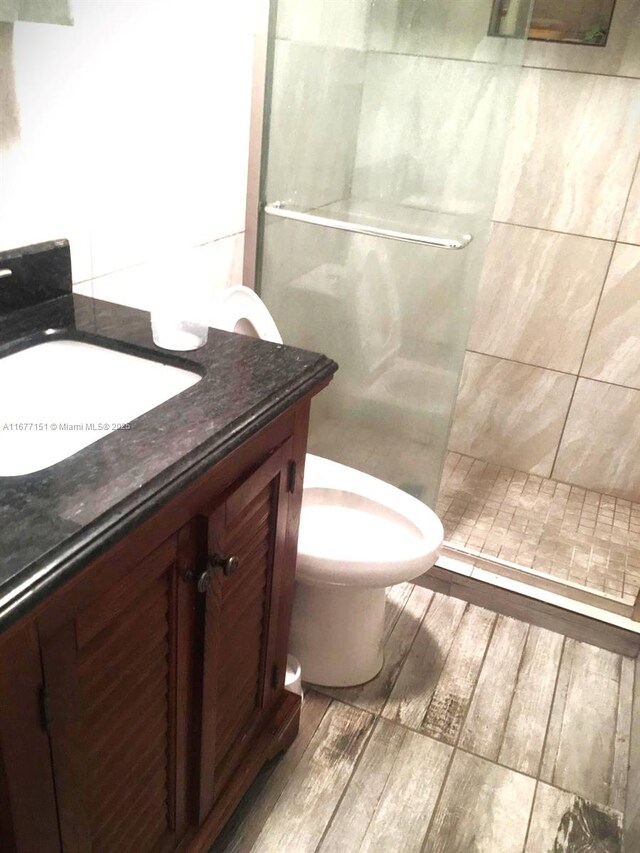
x=42, y=577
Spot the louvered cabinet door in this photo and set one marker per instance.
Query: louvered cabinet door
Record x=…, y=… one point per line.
x=119, y=733
x=242, y=676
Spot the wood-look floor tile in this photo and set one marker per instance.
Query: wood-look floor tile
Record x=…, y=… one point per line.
x=448, y=707
x=564, y=823
x=242, y=829
x=391, y=797
x=372, y=695
x=487, y=718
x=580, y=752
x=617, y=799
x=344, y=787
x=484, y=808
x=396, y=599
x=422, y=667
x=298, y=820
x=526, y=726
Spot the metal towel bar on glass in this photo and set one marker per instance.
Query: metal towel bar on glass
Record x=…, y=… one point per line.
x=278, y=209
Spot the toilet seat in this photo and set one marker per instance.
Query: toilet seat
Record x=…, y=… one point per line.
x=380, y=535
x=237, y=309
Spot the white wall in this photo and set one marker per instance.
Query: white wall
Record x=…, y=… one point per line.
x=134, y=141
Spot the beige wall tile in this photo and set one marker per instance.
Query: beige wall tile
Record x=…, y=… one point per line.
x=536, y=287
x=630, y=230
x=432, y=130
x=510, y=414
x=317, y=22
x=620, y=56
x=571, y=153
x=613, y=354
x=433, y=28
x=316, y=91
x=599, y=448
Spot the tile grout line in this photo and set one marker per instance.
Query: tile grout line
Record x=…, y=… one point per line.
x=635, y=710
x=387, y=780
x=562, y=521
x=566, y=415
x=354, y=770
x=380, y=712
x=436, y=806
x=279, y=797
x=513, y=692
x=570, y=681
x=466, y=609
x=454, y=749
x=470, y=60
x=477, y=679
x=377, y=716
x=554, y=584
x=558, y=231
x=597, y=308
x=574, y=71
x=530, y=820
x=139, y=264
x=615, y=733
x=553, y=700
x=399, y=616
x=614, y=242
x=401, y=663
x=636, y=173
x=512, y=360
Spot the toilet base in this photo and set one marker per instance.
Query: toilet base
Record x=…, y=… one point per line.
x=337, y=633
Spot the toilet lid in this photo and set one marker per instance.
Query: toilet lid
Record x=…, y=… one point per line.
x=239, y=309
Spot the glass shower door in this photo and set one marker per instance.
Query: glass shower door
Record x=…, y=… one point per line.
x=385, y=132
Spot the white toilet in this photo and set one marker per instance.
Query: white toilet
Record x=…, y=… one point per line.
x=358, y=535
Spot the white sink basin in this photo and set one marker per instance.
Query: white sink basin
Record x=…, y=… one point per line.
x=60, y=396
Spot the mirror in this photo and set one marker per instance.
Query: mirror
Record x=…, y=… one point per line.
x=585, y=22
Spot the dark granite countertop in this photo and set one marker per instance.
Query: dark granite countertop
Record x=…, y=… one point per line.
x=54, y=521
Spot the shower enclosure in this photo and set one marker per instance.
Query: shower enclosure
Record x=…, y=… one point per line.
x=383, y=144
x=384, y=136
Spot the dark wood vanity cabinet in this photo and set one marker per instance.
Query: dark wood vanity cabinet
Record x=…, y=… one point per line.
x=113, y=668
x=139, y=702
x=243, y=666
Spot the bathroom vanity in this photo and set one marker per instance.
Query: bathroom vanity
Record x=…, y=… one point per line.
x=145, y=595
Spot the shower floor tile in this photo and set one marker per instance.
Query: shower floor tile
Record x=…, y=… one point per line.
x=568, y=532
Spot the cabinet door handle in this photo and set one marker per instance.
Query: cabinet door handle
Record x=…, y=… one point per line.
x=204, y=580
x=229, y=565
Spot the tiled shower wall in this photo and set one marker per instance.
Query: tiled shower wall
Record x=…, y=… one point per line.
x=132, y=140
x=551, y=381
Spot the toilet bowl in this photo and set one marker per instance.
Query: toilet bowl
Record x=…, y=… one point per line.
x=358, y=535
